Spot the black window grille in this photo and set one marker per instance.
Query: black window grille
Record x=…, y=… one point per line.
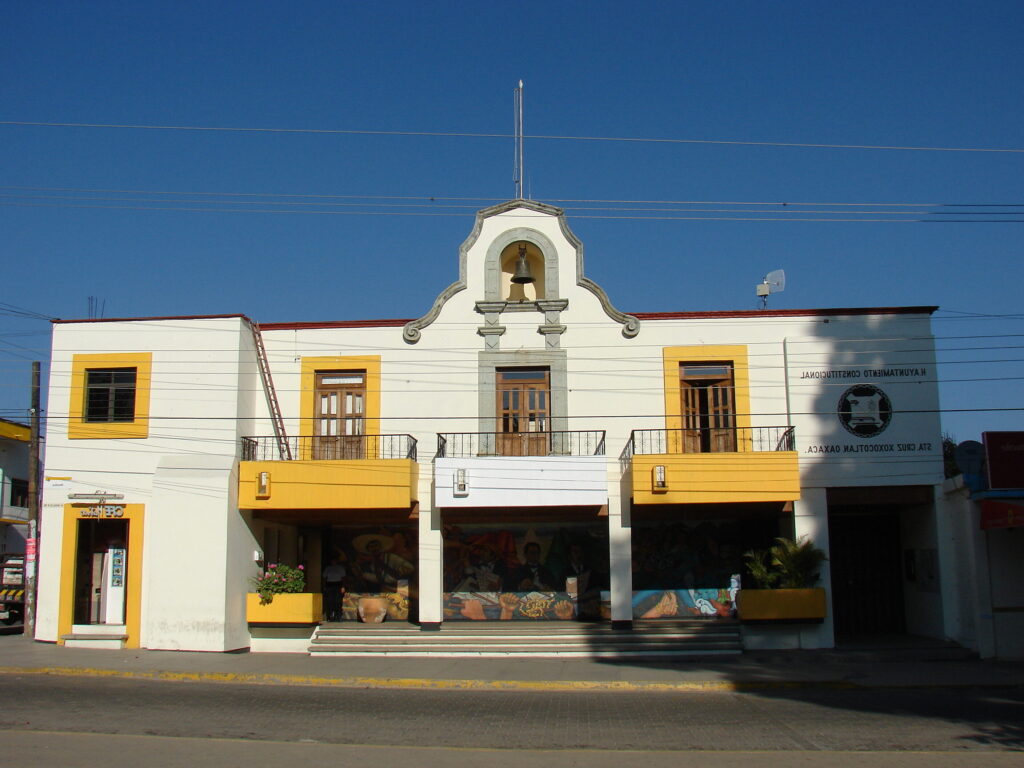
x=110, y=394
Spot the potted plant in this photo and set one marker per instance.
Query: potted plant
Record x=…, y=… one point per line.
x=785, y=574
x=279, y=598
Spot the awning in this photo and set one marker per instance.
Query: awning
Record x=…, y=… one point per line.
x=1002, y=514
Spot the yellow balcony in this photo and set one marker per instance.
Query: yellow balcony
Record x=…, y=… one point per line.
x=362, y=472
x=742, y=465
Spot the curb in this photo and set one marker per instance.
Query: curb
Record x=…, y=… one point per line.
x=415, y=683
x=437, y=684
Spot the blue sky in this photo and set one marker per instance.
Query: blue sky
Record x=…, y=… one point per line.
x=140, y=217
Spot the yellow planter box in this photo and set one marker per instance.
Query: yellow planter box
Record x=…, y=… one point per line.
x=294, y=608
x=781, y=604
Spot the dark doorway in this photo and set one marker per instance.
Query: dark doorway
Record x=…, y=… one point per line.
x=867, y=575
x=101, y=566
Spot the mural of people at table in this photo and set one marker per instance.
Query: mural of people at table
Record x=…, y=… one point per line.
x=524, y=573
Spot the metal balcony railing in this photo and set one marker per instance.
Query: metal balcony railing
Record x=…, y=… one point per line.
x=710, y=440
x=317, y=448
x=570, y=443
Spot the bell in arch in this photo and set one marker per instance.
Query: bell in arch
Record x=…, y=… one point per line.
x=522, y=274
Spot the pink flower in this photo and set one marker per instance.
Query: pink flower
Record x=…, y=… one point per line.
x=302, y=567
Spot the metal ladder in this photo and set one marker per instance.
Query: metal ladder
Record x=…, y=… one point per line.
x=283, y=448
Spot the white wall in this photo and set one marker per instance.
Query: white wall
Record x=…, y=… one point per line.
x=194, y=583
x=523, y=481
x=922, y=596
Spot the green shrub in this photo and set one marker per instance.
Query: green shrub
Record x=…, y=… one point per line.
x=279, y=579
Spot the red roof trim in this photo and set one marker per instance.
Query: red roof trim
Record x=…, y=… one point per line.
x=786, y=313
x=333, y=324
x=145, y=319
x=397, y=323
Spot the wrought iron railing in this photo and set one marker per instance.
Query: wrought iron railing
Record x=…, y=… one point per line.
x=569, y=443
x=317, y=448
x=716, y=440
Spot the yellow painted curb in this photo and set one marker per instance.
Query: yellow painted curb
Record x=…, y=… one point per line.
x=424, y=683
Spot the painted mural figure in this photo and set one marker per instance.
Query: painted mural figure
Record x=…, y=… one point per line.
x=532, y=576
x=484, y=572
x=376, y=567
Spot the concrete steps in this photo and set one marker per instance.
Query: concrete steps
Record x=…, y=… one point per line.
x=699, y=637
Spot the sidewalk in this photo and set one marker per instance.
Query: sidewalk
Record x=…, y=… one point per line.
x=899, y=668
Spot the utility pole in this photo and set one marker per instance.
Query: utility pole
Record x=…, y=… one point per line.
x=32, y=545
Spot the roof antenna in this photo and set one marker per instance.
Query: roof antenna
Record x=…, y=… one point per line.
x=517, y=170
x=773, y=282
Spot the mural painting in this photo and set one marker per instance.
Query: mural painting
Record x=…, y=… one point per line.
x=524, y=573
x=687, y=570
x=380, y=572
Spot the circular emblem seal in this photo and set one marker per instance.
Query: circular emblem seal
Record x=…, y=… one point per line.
x=865, y=410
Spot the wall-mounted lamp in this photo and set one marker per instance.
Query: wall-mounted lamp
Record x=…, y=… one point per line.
x=461, y=487
x=659, y=481
x=263, y=485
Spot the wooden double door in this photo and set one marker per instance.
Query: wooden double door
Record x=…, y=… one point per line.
x=524, y=412
x=708, y=408
x=340, y=418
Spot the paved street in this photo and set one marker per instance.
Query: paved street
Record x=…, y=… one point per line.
x=48, y=714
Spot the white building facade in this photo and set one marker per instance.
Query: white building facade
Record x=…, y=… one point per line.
x=523, y=452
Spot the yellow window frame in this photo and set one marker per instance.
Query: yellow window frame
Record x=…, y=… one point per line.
x=707, y=353
x=313, y=365
x=78, y=427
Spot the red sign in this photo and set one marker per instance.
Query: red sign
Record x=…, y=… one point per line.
x=1002, y=514
x=1004, y=452
x=30, y=550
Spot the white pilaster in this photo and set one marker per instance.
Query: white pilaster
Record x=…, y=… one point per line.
x=431, y=566
x=620, y=554
x=810, y=519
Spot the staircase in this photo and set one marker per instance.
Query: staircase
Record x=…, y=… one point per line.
x=684, y=637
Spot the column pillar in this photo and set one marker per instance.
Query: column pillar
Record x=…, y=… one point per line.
x=810, y=519
x=431, y=569
x=620, y=555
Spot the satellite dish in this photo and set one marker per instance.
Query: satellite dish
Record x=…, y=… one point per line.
x=970, y=457
x=773, y=282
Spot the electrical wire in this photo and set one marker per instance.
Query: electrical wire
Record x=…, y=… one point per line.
x=482, y=135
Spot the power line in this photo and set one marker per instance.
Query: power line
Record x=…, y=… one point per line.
x=767, y=218
x=433, y=198
x=481, y=135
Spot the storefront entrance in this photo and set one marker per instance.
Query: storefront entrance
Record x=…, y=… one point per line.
x=101, y=570
x=867, y=571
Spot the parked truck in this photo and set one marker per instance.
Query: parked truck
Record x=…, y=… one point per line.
x=12, y=589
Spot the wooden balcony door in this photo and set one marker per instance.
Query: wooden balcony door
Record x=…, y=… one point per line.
x=340, y=418
x=708, y=408
x=524, y=412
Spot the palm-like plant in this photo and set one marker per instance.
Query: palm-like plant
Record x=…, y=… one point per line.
x=799, y=562
x=792, y=564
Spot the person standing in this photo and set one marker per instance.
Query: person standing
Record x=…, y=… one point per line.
x=334, y=589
